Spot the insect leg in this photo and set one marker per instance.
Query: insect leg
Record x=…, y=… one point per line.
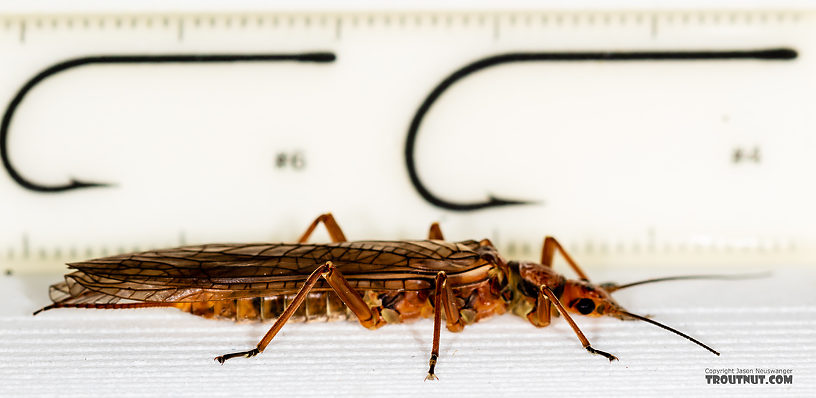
x=311, y=281
x=542, y=312
x=441, y=278
x=443, y=300
x=332, y=227
x=584, y=340
x=369, y=317
x=548, y=252
x=435, y=232
x=453, y=319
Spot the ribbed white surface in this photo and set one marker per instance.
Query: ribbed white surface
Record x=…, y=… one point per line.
x=767, y=323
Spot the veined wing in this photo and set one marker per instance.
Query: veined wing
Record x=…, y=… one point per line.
x=227, y=271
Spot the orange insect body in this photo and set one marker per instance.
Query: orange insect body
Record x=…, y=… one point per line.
x=259, y=281
x=378, y=282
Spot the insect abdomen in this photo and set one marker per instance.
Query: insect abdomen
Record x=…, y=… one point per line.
x=320, y=306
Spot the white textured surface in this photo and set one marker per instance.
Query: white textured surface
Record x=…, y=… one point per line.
x=768, y=323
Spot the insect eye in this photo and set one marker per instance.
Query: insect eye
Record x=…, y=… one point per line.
x=585, y=306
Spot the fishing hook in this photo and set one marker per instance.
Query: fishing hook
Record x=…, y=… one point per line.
x=316, y=57
x=484, y=63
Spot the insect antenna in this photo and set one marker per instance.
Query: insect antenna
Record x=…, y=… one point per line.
x=675, y=331
x=611, y=287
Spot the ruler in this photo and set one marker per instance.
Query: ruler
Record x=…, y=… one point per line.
x=636, y=137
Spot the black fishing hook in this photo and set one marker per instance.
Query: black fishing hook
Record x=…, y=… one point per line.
x=316, y=57
x=467, y=70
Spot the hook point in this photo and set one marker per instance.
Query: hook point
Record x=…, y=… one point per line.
x=76, y=184
x=494, y=201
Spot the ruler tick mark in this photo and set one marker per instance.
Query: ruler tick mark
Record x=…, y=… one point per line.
x=180, y=30
x=338, y=28
x=654, y=26
x=22, y=31
x=496, y=32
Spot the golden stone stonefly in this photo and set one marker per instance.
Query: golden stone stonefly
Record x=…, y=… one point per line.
x=378, y=282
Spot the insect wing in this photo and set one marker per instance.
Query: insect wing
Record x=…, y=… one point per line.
x=231, y=271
